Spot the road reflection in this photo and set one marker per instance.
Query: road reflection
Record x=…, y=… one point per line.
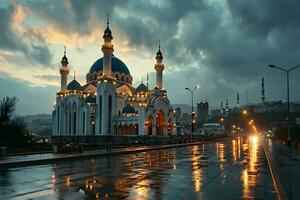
x=194, y=172
x=196, y=168
x=249, y=174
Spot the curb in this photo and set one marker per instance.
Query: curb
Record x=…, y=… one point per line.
x=275, y=177
x=42, y=161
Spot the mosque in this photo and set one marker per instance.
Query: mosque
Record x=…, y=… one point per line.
x=108, y=103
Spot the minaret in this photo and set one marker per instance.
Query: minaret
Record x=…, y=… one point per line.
x=159, y=67
x=226, y=106
x=262, y=90
x=106, y=91
x=147, y=80
x=64, y=71
x=107, y=49
x=237, y=100
x=222, y=108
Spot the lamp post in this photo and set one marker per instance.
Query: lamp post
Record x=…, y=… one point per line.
x=288, y=93
x=192, y=94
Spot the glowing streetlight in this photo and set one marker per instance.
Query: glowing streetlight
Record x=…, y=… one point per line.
x=288, y=92
x=192, y=94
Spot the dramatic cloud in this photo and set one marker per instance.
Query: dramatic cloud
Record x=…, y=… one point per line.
x=13, y=40
x=225, y=46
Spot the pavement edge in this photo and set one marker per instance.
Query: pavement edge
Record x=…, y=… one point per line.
x=275, y=176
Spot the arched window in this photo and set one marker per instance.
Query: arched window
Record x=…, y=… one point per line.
x=58, y=120
x=70, y=122
x=109, y=113
x=74, y=108
x=66, y=120
x=74, y=122
x=100, y=113
x=83, y=122
x=93, y=126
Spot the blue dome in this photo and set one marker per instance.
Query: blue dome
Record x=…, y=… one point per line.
x=117, y=66
x=142, y=88
x=128, y=109
x=90, y=99
x=74, y=85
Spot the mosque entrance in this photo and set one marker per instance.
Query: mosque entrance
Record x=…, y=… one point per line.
x=160, y=121
x=149, y=124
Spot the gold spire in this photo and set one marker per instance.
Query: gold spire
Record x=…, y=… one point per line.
x=65, y=50
x=107, y=20
x=159, y=44
x=147, y=80
x=74, y=74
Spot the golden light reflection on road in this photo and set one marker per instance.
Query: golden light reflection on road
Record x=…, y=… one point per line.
x=143, y=191
x=68, y=181
x=249, y=174
x=196, y=169
x=236, y=148
x=220, y=146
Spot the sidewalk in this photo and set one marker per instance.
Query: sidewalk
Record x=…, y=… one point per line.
x=48, y=158
x=285, y=164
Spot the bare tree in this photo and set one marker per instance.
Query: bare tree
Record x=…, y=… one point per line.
x=7, y=107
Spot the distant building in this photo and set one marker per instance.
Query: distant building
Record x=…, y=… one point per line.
x=186, y=119
x=216, y=113
x=202, y=111
x=213, y=128
x=38, y=124
x=177, y=114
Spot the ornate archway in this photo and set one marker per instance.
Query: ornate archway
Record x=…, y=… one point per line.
x=149, y=124
x=160, y=121
x=125, y=129
x=116, y=132
x=136, y=129
x=120, y=131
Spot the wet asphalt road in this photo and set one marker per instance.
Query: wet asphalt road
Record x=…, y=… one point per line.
x=230, y=169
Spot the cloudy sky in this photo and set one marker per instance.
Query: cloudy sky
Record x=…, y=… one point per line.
x=224, y=46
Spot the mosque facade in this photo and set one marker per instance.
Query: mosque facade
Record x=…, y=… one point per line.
x=108, y=103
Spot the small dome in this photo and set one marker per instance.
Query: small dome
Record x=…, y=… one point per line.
x=90, y=99
x=74, y=85
x=142, y=88
x=159, y=55
x=64, y=60
x=128, y=109
x=107, y=33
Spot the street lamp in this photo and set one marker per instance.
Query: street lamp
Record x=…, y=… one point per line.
x=192, y=94
x=288, y=93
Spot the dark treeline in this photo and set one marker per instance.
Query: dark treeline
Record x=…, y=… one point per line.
x=13, y=132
